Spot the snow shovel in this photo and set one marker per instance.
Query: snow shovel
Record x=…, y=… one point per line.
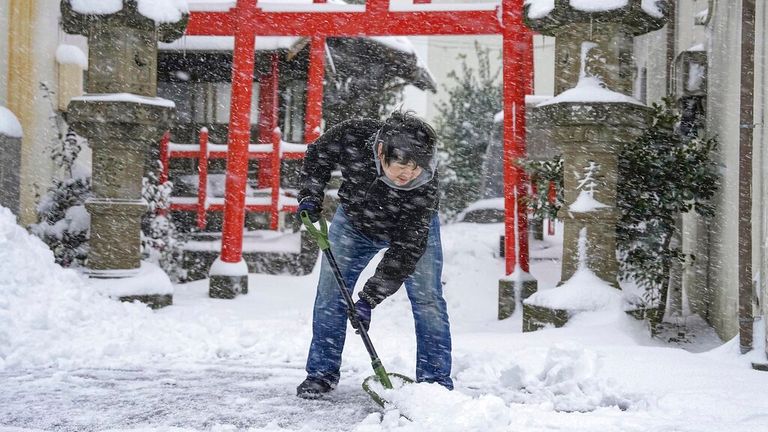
x=381, y=377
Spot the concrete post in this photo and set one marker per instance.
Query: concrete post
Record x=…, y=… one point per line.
x=121, y=117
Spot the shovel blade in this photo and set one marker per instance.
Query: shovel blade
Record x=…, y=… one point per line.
x=374, y=387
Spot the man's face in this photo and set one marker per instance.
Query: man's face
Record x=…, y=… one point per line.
x=400, y=174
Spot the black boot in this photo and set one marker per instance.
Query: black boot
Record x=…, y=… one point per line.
x=313, y=388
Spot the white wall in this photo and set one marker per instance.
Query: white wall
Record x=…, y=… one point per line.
x=37, y=167
x=760, y=190
x=4, y=13
x=413, y=98
x=443, y=58
x=723, y=121
x=440, y=53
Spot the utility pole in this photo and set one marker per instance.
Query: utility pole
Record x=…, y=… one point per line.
x=746, y=125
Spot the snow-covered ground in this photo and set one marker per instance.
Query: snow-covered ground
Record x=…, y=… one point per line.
x=73, y=360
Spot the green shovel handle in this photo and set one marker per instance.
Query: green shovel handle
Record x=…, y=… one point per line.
x=320, y=235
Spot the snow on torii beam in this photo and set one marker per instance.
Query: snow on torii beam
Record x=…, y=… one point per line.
x=247, y=20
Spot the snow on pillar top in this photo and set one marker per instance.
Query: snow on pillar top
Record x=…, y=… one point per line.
x=159, y=11
x=122, y=40
x=168, y=17
x=637, y=17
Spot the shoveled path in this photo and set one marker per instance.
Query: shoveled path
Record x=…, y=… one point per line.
x=222, y=397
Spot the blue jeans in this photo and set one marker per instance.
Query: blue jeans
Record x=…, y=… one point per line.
x=353, y=251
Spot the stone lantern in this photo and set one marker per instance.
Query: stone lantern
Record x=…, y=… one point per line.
x=121, y=116
x=590, y=118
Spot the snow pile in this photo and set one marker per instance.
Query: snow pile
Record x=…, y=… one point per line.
x=70, y=54
x=585, y=202
x=160, y=11
x=9, y=124
x=590, y=90
x=52, y=317
x=570, y=381
x=584, y=291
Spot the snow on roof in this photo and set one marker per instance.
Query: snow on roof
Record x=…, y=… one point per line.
x=71, y=54
x=541, y=8
x=399, y=43
x=160, y=11
x=9, y=124
x=227, y=43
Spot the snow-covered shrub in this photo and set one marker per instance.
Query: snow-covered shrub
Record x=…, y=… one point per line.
x=160, y=240
x=542, y=173
x=465, y=127
x=64, y=224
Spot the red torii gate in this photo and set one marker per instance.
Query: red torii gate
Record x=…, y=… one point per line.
x=246, y=21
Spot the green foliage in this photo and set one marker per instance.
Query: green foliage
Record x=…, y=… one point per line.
x=662, y=175
x=465, y=128
x=161, y=242
x=64, y=222
x=542, y=173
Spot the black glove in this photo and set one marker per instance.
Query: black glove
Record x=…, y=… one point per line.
x=312, y=207
x=363, y=312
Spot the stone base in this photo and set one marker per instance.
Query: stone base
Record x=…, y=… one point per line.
x=154, y=301
x=538, y=317
x=227, y=287
x=148, y=284
x=512, y=292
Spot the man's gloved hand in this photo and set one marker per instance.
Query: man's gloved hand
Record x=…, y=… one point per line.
x=363, y=311
x=312, y=207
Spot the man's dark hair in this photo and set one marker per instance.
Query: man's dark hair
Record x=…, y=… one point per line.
x=407, y=138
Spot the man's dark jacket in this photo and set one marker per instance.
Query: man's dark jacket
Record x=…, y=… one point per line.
x=378, y=211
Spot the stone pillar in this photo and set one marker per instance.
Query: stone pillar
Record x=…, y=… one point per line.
x=590, y=118
x=121, y=116
x=10, y=160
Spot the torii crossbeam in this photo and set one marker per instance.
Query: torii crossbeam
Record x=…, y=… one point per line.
x=250, y=19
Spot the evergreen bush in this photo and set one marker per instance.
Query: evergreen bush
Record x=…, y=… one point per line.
x=465, y=127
